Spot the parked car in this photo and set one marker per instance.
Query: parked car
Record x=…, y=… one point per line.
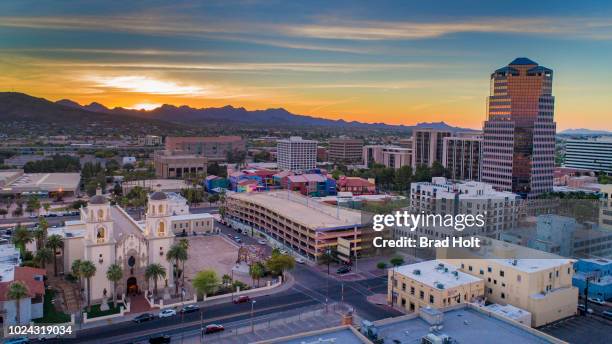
x=607, y=314
x=242, y=299
x=597, y=300
x=283, y=252
x=262, y=241
x=160, y=339
x=190, y=309
x=18, y=340
x=343, y=269
x=299, y=260
x=213, y=328
x=143, y=317
x=581, y=309
x=165, y=313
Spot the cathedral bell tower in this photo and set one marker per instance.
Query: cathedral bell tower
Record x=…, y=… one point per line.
x=98, y=220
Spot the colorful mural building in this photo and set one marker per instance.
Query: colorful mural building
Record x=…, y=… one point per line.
x=212, y=183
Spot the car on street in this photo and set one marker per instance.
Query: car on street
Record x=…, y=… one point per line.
x=143, y=317
x=190, y=309
x=299, y=260
x=18, y=340
x=597, y=300
x=160, y=339
x=343, y=270
x=607, y=314
x=262, y=241
x=581, y=309
x=283, y=251
x=165, y=313
x=242, y=299
x=213, y=328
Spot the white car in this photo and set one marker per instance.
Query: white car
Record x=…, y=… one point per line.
x=262, y=241
x=597, y=300
x=283, y=251
x=300, y=260
x=167, y=313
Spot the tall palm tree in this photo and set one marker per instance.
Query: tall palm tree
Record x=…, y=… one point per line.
x=21, y=237
x=177, y=253
x=41, y=232
x=54, y=242
x=256, y=271
x=17, y=291
x=114, y=274
x=185, y=243
x=43, y=256
x=76, y=271
x=155, y=272
x=87, y=269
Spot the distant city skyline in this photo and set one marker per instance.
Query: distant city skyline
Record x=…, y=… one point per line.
x=396, y=62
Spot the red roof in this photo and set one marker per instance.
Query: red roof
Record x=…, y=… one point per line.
x=355, y=182
x=31, y=277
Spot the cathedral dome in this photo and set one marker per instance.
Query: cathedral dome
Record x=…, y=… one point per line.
x=158, y=196
x=97, y=199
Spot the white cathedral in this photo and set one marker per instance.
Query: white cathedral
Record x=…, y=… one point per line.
x=107, y=234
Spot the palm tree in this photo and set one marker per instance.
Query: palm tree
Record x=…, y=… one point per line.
x=76, y=270
x=46, y=206
x=21, y=237
x=256, y=271
x=17, y=291
x=226, y=279
x=155, y=272
x=114, y=274
x=54, y=242
x=177, y=253
x=87, y=269
x=43, y=256
x=41, y=232
x=185, y=243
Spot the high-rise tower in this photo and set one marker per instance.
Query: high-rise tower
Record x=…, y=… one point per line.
x=519, y=135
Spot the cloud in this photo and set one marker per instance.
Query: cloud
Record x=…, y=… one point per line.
x=144, y=84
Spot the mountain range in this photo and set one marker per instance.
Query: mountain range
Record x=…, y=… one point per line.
x=583, y=131
x=20, y=107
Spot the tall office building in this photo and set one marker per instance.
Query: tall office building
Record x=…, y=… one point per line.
x=461, y=156
x=296, y=154
x=345, y=150
x=519, y=135
x=427, y=146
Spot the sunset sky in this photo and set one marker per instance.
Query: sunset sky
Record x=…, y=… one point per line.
x=399, y=62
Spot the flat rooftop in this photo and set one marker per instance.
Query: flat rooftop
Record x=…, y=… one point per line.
x=464, y=325
x=47, y=182
x=433, y=272
x=303, y=210
x=339, y=335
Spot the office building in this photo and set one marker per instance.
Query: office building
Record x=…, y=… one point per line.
x=431, y=284
x=150, y=140
x=519, y=135
x=461, y=156
x=427, y=146
x=536, y=281
x=298, y=223
x=213, y=148
x=296, y=154
x=389, y=156
x=345, y=150
x=176, y=164
x=598, y=272
x=593, y=154
x=442, y=196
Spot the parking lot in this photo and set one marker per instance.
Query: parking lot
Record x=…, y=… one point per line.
x=581, y=329
x=212, y=252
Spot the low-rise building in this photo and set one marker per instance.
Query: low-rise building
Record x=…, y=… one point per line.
x=176, y=164
x=43, y=185
x=510, y=312
x=152, y=185
x=598, y=272
x=31, y=306
x=357, y=185
x=213, y=148
x=193, y=224
x=432, y=284
x=389, y=156
x=150, y=140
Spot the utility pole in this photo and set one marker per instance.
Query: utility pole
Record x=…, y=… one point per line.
x=201, y=325
x=252, y=309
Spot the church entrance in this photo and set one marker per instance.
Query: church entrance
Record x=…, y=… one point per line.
x=132, y=286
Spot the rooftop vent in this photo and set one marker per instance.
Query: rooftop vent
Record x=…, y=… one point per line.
x=416, y=272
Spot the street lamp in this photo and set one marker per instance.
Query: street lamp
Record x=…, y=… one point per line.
x=328, y=258
x=252, y=309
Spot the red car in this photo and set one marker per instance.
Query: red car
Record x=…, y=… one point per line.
x=242, y=299
x=212, y=328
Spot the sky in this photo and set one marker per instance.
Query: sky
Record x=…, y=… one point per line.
x=398, y=62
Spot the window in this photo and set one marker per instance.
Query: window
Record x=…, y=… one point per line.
x=403, y=286
x=494, y=281
x=501, y=273
x=503, y=296
x=421, y=294
x=481, y=271
x=470, y=268
x=557, y=273
x=431, y=299
x=462, y=266
x=411, y=290
x=489, y=279
x=518, y=278
x=489, y=269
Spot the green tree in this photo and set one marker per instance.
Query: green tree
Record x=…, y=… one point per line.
x=177, y=253
x=226, y=279
x=41, y=232
x=280, y=263
x=43, y=256
x=17, y=291
x=114, y=274
x=76, y=271
x=437, y=170
x=54, y=242
x=381, y=265
x=155, y=272
x=205, y=282
x=33, y=205
x=257, y=271
x=396, y=261
x=87, y=270
x=21, y=237
x=402, y=179
x=46, y=206
x=422, y=174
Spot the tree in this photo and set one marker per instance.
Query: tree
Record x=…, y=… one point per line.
x=46, y=206
x=422, y=174
x=18, y=211
x=33, y=205
x=17, y=291
x=205, y=282
x=177, y=253
x=381, y=265
x=54, y=242
x=257, y=271
x=280, y=263
x=185, y=243
x=155, y=272
x=21, y=237
x=396, y=261
x=43, y=256
x=87, y=270
x=41, y=232
x=437, y=170
x=114, y=274
x=226, y=279
x=76, y=271
x=403, y=177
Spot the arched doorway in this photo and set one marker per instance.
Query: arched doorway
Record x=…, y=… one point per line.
x=132, y=286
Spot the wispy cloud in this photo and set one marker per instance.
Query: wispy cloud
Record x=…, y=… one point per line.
x=145, y=84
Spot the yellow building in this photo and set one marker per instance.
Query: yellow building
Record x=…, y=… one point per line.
x=433, y=284
x=536, y=281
